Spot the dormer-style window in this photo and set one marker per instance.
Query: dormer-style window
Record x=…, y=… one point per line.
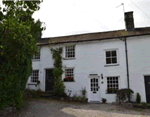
x=70, y=51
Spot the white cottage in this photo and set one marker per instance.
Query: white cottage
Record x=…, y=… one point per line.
x=98, y=61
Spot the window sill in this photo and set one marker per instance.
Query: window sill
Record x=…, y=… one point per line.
x=32, y=84
x=35, y=60
x=111, y=65
x=69, y=58
x=68, y=81
x=110, y=93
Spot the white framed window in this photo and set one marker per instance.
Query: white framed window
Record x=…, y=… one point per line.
x=70, y=51
x=69, y=74
x=111, y=57
x=36, y=56
x=112, y=84
x=34, y=76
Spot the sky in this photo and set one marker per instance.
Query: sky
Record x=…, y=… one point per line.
x=70, y=17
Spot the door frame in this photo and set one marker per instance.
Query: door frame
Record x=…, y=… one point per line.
x=45, y=75
x=90, y=97
x=144, y=85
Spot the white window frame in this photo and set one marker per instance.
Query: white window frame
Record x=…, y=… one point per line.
x=31, y=81
x=66, y=57
x=107, y=83
x=117, y=52
x=38, y=55
x=68, y=75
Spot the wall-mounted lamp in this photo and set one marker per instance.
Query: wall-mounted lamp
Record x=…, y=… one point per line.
x=101, y=76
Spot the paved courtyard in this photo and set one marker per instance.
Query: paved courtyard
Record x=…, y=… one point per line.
x=53, y=108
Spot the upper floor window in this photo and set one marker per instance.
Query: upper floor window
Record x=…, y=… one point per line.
x=37, y=54
x=35, y=76
x=111, y=57
x=70, y=51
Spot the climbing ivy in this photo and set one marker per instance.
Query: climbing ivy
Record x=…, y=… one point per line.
x=59, y=87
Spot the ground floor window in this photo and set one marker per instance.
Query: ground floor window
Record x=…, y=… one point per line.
x=112, y=84
x=35, y=76
x=69, y=74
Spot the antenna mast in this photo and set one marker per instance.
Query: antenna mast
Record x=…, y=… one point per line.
x=123, y=7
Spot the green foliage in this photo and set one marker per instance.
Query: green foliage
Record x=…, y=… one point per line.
x=32, y=93
x=104, y=100
x=138, y=98
x=112, y=90
x=59, y=87
x=123, y=94
x=144, y=105
x=18, y=37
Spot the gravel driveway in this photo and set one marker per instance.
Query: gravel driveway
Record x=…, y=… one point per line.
x=54, y=108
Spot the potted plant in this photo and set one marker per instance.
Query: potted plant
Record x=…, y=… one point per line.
x=68, y=79
x=112, y=90
x=104, y=100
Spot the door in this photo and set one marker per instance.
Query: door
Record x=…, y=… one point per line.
x=147, y=88
x=49, y=83
x=94, y=89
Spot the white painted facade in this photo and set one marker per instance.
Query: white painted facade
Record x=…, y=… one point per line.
x=139, y=63
x=90, y=59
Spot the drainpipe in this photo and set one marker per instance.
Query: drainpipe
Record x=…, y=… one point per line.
x=127, y=66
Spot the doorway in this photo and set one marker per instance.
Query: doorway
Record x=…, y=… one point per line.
x=49, y=80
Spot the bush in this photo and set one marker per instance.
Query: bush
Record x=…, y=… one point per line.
x=138, y=98
x=123, y=95
x=32, y=93
x=144, y=105
x=83, y=91
x=104, y=100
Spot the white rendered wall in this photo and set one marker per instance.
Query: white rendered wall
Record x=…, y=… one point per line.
x=139, y=63
x=90, y=59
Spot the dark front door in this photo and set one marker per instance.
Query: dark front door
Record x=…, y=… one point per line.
x=147, y=88
x=49, y=80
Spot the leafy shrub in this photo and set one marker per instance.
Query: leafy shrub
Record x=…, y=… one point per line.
x=104, y=100
x=31, y=93
x=144, y=105
x=123, y=94
x=138, y=98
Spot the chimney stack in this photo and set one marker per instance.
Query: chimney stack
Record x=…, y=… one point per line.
x=129, y=21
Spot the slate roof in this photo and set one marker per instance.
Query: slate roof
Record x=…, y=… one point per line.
x=94, y=36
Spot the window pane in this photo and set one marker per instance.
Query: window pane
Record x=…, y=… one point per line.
x=114, y=60
x=108, y=60
x=107, y=53
x=114, y=53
